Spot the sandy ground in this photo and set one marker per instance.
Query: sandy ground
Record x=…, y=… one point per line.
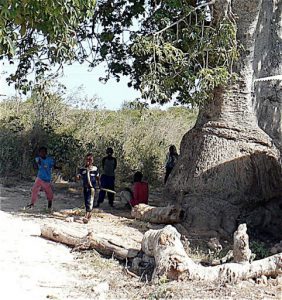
x=34, y=268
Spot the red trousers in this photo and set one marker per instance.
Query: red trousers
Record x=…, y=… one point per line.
x=41, y=185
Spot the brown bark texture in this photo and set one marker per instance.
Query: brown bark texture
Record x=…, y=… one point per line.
x=229, y=168
x=159, y=215
x=173, y=262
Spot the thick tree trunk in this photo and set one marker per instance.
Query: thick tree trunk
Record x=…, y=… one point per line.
x=172, y=261
x=158, y=215
x=78, y=240
x=267, y=62
x=229, y=168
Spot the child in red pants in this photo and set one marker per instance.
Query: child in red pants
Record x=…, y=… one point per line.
x=44, y=165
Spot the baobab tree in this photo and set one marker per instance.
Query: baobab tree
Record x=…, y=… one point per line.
x=205, y=53
x=230, y=168
x=230, y=163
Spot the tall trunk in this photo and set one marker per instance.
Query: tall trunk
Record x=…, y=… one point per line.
x=229, y=168
x=267, y=62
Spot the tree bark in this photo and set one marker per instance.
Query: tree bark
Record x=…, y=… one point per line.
x=158, y=215
x=173, y=262
x=78, y=240
x=229, y=168
x=241, y=250
x=267, y=62
x=170, y=258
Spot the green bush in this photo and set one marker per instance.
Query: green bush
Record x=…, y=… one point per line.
x=260, y=249
x=140, y=137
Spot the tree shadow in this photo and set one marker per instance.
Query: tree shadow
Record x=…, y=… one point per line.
x=216, y=203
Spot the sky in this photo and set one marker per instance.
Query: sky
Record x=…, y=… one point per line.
x=112, y=94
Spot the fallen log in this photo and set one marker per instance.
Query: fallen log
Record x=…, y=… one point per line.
x=79, y=240
x=173, y=262
x=159, y=215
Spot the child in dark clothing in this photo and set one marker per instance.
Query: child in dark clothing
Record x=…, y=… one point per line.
x=109, y=164
x=90, y=178
x=171, y=159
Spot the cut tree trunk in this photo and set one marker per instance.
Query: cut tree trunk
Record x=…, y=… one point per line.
x=229, y=168
x=173, y=262
x=160, y=215
x=170, y=258
x=78, y=240
x=241, y=250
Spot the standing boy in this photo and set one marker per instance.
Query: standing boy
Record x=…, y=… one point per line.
x=90, y=177
x=171, y=159
x=109, y=164
x=44, y=164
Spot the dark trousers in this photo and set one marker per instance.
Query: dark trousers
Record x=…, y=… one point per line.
x=167, y=172
x=107, y=182
x=88, y=194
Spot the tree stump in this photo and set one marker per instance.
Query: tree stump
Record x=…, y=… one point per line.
x=241, y=250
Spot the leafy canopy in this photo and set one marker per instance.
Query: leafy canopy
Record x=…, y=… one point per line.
x=166, y=47
x=39, y=33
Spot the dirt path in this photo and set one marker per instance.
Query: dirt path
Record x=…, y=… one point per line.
x=37, y=268
x=34, y=268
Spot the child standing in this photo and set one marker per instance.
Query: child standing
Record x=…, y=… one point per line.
x=171, y=159
x=109, y=164
x=44, y=164
x=90, y=177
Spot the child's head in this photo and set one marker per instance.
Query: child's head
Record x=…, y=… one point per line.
x=109, y=151
x=42, y=152
x=137, y=176
x=89, y=159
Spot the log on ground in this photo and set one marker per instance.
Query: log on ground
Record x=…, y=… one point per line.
x=159, y=215
x=173, y=262
x=79, y=240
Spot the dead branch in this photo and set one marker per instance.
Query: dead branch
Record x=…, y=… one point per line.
x=173, y=262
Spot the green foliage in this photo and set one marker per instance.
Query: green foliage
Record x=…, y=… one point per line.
x=260, y=249
x=37, y=34
x=167, y=48
x=140, y=136
x=173, y=53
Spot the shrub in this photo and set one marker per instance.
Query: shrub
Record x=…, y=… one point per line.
x=140, y=138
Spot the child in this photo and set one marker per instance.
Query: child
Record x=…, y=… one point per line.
x=44, y=164
x=139, y=193
x=109, y=164
x=171, y=159
x=90, y=177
